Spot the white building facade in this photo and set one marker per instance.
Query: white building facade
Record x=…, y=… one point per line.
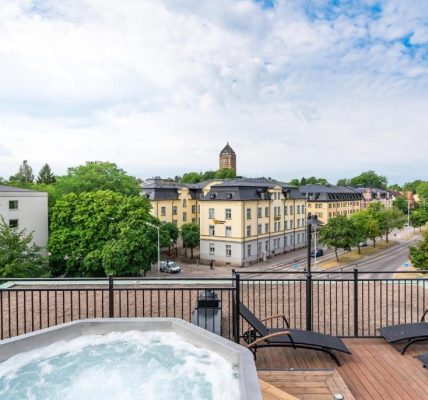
x=26, y=209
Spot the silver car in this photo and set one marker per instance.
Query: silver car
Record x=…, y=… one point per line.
x=170, y=267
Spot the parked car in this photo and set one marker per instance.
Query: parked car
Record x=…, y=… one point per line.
x=363, y=244
x=170, y=267
x=317, y=253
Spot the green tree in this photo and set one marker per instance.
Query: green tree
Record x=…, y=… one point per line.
x=97, y=175
x=418, y=218
x=208, y=175
x=411, y=186
x=395, y=187
x=366, y=227
x=295, y=182
x=422, y=190
x=19, y=257
x=370, y=179
x=338, y=233
x=46, y=175
x=387, y=218
x=401, y=204
x=191, y=177
x=419, y=254
x=168, y=235
x=343, y=182
x=190, y=236
x=24, y=175
x=225, y=173
x=101, y=233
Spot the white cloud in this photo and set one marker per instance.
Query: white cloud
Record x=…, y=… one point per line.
x=159, y=86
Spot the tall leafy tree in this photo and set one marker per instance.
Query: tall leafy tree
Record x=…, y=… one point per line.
x=101, y=233
x=418, y=218
x=24, y=175
x=190, y=235
x=395, y=186
x=191, y=177
x=422, y=190
x=19, y=257
x=387, y=218
x=46, y=175
x=411, y=186
x=370, y=179
x=97, y=175
x=419, y=254
x=225, y=173
x=365, y=227
x=343, y=182
x=338, y=233
x=168, y=235
x=401, y=204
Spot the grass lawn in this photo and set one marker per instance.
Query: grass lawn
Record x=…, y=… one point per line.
x=353, y=256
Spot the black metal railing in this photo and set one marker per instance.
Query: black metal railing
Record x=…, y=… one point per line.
x=347, y=304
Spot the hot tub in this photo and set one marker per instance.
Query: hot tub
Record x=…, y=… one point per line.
x=126, y=359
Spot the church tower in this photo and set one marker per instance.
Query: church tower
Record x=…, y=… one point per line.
x=228, y=158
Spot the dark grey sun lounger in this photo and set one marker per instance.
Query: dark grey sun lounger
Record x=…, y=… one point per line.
x=262, y=336
x=424, y=359
x=410, y=333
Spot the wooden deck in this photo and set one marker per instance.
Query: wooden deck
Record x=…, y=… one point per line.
x=374, y=371
x=320, y=384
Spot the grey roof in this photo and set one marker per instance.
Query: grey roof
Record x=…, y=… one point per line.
x=329, y=193
x=227, y=150
x=4, y=188
x=240, y=189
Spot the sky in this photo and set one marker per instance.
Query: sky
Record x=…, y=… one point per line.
x=328, y=88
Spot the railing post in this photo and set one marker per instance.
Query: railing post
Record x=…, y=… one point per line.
x=355, y=302
x=309, y=301
x=236, y=309
x=110, y=297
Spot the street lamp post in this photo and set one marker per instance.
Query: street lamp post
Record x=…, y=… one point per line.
x=158, y=229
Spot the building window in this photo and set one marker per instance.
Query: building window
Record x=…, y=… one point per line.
x=193, y=220
x=279, y=225
x=248, y=213
x=211, y=213
x=184, y=203
x=267, y=245
x=298, y=238
x=259, y=212
x=285, y=225
x=259, y=229
x=228, y=231
x=174, y=210
x=13, y=223
x=298, y=209
x=249, y=230
x=228, y=250
x=13, y=204
x=163, y=211
x=266, y=228
x=298, y=222
x=291, y=210
x=291, y=240
x=194, y=209
x=228, y=213
x=185, y=217
x=212, y=249
x=266, y=211
x=211, y=230
x=291, y=224
x=285, y=241
x=286, y=210
x=174, y=221
x=249, y=250
x=259, y=247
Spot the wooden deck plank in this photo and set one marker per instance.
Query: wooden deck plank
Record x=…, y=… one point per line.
x=374, y=371
x=271, y=392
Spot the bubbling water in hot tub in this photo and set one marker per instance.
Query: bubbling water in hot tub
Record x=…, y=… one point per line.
x=129, y=365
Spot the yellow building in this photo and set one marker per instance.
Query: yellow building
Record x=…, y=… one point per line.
x=245, y=220
x=175, y=202
x=328, y=201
